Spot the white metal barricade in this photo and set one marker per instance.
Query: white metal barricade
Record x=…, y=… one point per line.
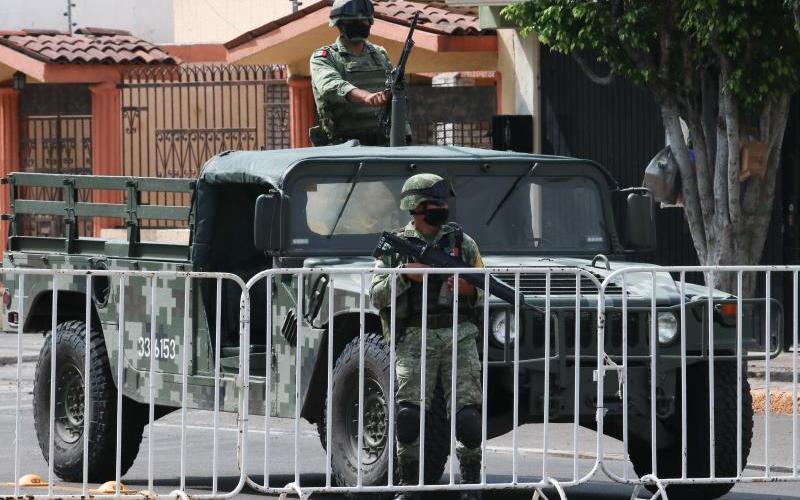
x=565, y=352
x=347, y=294
x=703, y=440
x=126, y=322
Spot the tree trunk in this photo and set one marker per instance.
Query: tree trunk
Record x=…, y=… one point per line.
x=728, y=219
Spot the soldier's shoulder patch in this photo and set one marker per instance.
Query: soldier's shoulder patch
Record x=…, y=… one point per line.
x=321, y=53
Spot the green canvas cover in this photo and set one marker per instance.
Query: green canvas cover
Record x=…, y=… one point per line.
x=228, y=178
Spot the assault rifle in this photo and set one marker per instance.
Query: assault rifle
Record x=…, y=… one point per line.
x=434, y=257
x=394, y=121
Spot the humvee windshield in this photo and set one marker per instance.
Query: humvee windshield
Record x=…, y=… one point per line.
x=542, y=214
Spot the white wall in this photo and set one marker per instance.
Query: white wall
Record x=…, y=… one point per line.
x=218, y=21
x=151, y=20
x=519, y=64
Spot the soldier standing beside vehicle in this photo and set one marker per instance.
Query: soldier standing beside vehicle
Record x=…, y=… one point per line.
x=348, y=79
x=425, y=197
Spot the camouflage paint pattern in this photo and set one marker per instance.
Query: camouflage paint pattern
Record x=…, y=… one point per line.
x=438, y=363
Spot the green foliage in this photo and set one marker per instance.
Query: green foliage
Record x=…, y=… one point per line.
x=753, y=45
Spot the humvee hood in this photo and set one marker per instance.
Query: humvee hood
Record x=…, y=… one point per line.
x=637, y=285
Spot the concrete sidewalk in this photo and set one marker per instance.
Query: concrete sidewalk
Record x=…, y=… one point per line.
x=31, y=344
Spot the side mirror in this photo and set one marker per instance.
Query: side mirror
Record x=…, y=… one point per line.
x=267, y=223
x=640, y=227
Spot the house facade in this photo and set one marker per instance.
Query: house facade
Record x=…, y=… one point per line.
x=222, y=75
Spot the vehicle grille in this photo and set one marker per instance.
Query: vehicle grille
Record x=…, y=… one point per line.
x=560, y=284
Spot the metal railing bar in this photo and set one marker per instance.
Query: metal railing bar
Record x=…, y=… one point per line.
x=185, y=377
x=151, y=381
x=547, y=328
x=329, y=389
x=624, y=375
x=684, y=437
x=577, y=376
x=711, y=403
x=653, y=376
x=18, y=385
x=453, y=376
x=87, y=377
x=268, y=381
x=794, y=373
x=298, y=373
x=392, y=374
x=767, y=370
x=422, y=379
x=515, y=391
x=217, y=369
x=739, y=382
x=484, y=379
x=120, y=385
x=52, y=409
x=361, y=345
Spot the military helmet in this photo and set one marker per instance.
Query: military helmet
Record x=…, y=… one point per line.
x=351, y=9
x=424, y=187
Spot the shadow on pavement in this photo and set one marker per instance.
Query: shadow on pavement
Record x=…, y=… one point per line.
x=595, y=490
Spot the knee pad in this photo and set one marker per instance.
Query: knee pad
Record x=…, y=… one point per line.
x=468, y=426
x=407, y=423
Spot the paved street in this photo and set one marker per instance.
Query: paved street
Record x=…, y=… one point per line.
x=165, y=443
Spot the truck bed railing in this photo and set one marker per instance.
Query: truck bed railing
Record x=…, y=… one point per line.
x=131, y=210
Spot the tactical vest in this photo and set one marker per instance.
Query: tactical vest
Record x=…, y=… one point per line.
x=343, y=121
x=409, y=304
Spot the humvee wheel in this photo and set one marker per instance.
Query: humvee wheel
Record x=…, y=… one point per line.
x=697, y=419
x=344, y=422
x=69, y=409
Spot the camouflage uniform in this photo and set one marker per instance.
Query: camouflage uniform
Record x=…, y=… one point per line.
x=439, y=336
x=335, y=72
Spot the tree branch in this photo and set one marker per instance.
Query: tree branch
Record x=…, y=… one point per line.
x=665, y=44
x=759, y=200
x=797, y=21
x=591, y=75
x=691, y=197
x=709, y=97
x=730, y=114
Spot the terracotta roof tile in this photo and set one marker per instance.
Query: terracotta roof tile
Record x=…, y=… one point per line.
x=435, y=17
x=86, y=46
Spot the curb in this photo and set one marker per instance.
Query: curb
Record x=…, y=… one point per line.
x=775, y=375
x=12, y=360
x=780, y=402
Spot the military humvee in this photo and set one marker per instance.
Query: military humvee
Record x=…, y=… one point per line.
x=326, y=207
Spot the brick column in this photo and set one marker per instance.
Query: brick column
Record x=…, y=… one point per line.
x=106, y=146
x=302, y=111
x=9, y=150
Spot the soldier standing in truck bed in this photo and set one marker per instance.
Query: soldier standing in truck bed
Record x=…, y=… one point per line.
x=348, y=79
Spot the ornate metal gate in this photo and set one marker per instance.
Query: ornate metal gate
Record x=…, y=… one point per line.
x=55, y=137
x=174, y=119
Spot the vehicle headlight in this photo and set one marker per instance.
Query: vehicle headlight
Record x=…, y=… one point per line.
x=500, y=320
x=667, y=326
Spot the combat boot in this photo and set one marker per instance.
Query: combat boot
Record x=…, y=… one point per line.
x=471, y=474
x=409, y=476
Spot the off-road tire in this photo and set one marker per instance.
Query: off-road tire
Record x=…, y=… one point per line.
x=68, y=454
x=345, y=383
x=697, y=420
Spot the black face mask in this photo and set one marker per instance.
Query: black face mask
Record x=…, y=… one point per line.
x=356, y=32
x=434, y=216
